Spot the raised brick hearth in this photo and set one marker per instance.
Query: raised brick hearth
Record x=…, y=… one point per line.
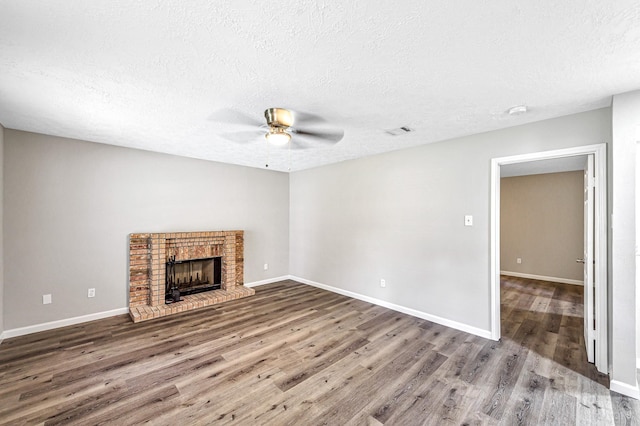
x=148, y=254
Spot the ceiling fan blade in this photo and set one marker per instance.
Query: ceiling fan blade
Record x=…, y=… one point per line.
x=327, y=137
x=244, y=137
x=232, y=116
x=298, y=144
x=306, y=119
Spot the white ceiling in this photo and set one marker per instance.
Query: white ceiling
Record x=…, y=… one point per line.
x=152, y=74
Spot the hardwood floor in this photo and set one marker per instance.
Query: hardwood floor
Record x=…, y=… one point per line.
x=294, y=354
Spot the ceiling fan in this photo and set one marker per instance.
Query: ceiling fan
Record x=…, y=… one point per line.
x=298, y=130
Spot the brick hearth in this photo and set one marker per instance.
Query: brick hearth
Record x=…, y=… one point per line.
x=148, y=254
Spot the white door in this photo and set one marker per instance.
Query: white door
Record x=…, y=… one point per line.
x=588, y=261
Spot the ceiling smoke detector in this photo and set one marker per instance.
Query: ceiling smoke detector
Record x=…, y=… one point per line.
x=399, y=131
x=517, y=110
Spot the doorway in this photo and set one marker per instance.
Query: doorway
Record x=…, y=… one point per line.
x=598, y=326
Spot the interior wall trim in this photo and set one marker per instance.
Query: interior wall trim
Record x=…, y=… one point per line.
x=409, y=311
x=625, y=389
x=542, y=278
x=599, y=151
x=121, y=311
x=21, y=331
x=267, y=281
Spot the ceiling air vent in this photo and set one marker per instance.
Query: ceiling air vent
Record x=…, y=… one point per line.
x=399, y=131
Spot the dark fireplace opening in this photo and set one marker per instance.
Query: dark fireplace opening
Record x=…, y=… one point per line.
x=192, y=276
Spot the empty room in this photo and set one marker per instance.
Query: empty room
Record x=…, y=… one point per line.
x=319, y=212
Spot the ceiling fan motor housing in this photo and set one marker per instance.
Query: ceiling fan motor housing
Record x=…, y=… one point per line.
x=279, y=117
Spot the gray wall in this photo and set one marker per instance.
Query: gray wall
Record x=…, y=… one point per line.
x=625, y=125
x=70, y=205
x=400, y=216
x=541, y=222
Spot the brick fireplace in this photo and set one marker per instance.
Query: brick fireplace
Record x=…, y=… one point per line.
x=148, y=256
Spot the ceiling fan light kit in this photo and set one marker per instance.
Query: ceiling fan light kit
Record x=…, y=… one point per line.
x=278, y=136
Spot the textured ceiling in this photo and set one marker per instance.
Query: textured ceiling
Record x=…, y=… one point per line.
x=152, y=74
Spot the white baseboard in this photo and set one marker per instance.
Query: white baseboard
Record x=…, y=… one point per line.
x=542, y=278
x=267, y=281
x=62, y=323
x=625, y=389
x=99, y=315
x=433, y=318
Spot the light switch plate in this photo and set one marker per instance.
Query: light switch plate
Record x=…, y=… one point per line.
x=468, y=220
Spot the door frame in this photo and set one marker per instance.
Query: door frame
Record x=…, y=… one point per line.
x=599, y=152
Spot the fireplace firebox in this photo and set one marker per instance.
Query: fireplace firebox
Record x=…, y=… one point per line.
x=184, y=277
x=148, y=257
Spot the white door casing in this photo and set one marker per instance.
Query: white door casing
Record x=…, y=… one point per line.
x=587, y=261
x=599, y=237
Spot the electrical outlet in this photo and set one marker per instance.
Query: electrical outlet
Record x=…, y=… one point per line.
x=383, y=283
x=46, y=299
x=518, y=260
x=266, y=266
x=91, y=292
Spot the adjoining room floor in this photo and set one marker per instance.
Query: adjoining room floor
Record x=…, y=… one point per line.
x=297, y=354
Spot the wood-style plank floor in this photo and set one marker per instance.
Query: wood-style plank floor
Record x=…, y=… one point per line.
x=294, y=354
